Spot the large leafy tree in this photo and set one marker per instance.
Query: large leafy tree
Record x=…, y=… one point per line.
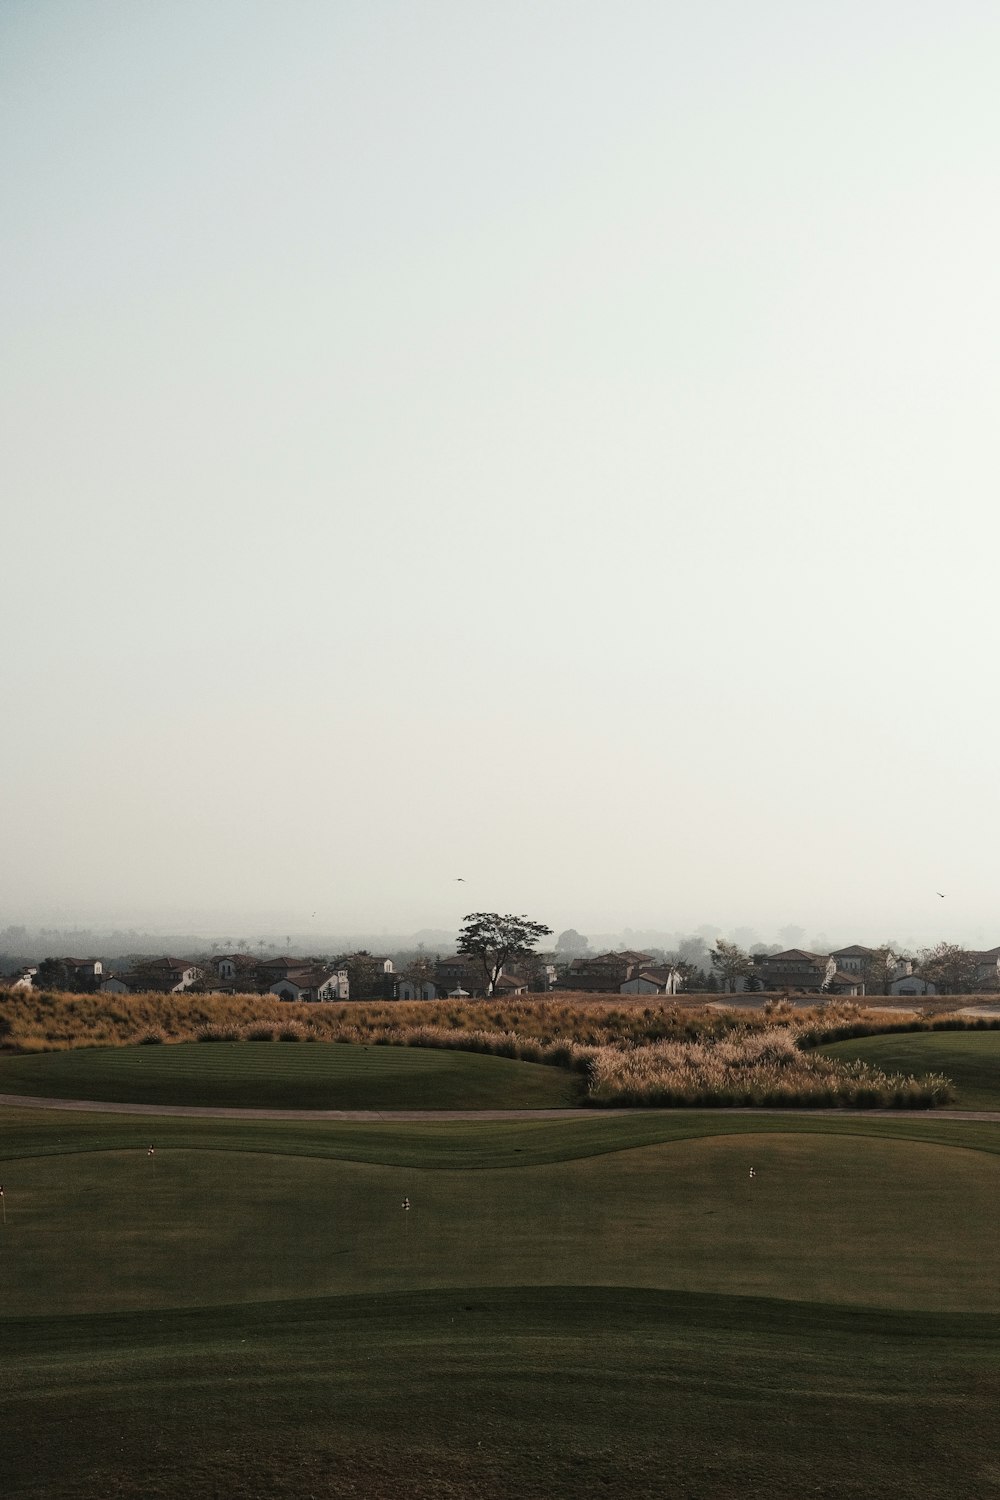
x=731, y=963
x=494, y=940
x=954, y=970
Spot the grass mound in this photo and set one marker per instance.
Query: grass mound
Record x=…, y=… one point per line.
x=271, y=1075
x=971, y=1059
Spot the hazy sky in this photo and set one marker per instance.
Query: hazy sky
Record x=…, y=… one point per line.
x=548, y=443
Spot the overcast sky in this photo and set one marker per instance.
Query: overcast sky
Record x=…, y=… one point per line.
x=553, y=444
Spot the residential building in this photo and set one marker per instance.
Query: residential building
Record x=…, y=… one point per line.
x=988, y=968
x=319, y=983
x=459, y=972
x=22, y=980
x=853, y=960
x=238, y=971
x=604, y=973
x=415, y=989
x=912, y=984
x=664, y=980
x=164, y=975
x=796, y=969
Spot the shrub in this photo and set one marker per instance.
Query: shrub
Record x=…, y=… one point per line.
x=218, y=1034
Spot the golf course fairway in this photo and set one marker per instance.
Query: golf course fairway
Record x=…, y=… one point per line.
x=606, y=1307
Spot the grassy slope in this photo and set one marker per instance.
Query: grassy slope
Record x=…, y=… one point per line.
x=425, y=1363
x=970, y=1058
x=114, y=1231
x=461, y=1395
x=463, y=1146
x=315, y=1075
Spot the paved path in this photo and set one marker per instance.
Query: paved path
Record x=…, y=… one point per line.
x=392, y=1116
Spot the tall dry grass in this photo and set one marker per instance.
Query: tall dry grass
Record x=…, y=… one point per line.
x=655, y=1055
x=761, y=1068
x=41, y=1020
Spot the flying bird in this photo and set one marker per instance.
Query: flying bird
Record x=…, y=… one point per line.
x=941, y=894
x=460, y=880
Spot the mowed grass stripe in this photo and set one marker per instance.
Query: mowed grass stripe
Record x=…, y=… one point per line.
x=315, y=1075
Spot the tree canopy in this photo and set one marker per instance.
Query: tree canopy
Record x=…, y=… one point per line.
x=954, y=970
x=495, y=940
x=731, y=963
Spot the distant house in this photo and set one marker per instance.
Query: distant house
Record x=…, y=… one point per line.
x=373, y=977
x=653, y=981
x=239, y=970
x=853, y=960
x=73, y=974
x=22, y=980
x=271, y=969
x=511, y=984
x=166, y=976
x=988, y=968
x=796, y=969
x=604, y=973
x=844, y=984
x=312, y=984
x=912, y=984
x=415, y=989
x=459, y=972
x=84, y=969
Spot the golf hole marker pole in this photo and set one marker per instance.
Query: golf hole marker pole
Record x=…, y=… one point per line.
x=3, y=1205
x=406, y=1218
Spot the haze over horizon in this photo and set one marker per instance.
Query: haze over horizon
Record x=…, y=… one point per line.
x=553, y=446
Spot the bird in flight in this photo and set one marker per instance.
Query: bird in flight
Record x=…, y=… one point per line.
x=941, y=894
x=460, y=879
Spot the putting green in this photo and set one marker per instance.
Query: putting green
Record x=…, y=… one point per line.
x=824, y=1219
x=971, y=1059
x=285, y=1075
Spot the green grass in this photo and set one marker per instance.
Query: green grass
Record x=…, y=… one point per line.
x=970, y=1058
x=120, y=1231
x=285, y=1075
x=472, y=1395
x=576, y=1308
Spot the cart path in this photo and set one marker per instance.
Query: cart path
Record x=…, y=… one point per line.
x=392, y=1116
